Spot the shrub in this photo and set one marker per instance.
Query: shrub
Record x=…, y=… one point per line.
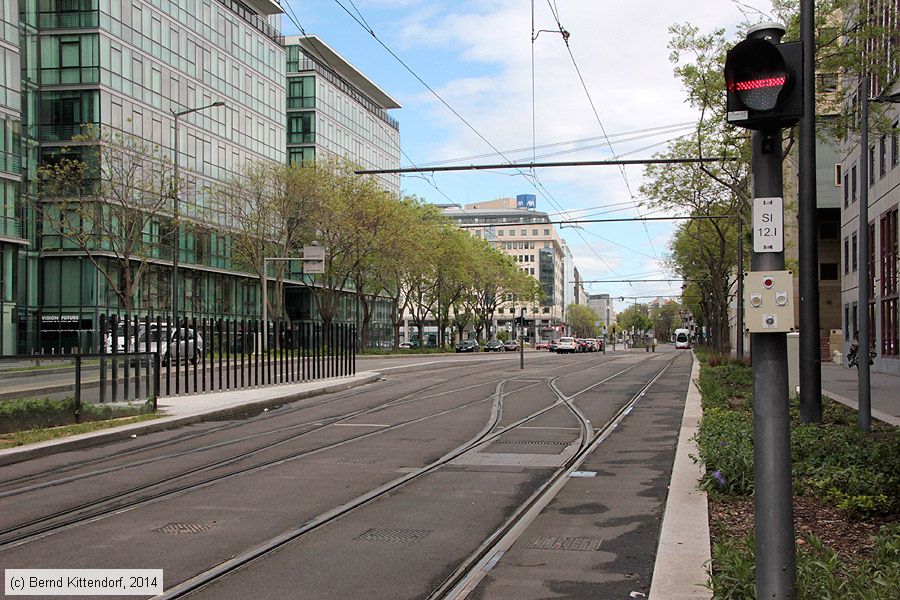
x=820, y=572
x=24, y=414
x=726, y=450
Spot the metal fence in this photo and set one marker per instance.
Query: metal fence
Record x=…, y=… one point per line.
x=207, y=355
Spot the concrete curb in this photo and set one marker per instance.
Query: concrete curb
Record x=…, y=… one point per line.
x=684, y=550
x=231, y=404
x=881, y=416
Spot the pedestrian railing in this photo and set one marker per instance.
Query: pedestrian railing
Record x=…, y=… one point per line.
x=208, y=355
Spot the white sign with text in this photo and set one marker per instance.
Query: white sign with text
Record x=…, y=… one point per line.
x=768, y=225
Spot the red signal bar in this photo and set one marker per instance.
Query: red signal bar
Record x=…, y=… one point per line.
x=755, y=84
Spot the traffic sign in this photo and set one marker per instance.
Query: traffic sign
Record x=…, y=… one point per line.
x=768, y=225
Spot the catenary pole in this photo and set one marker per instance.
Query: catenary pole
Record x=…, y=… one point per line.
x=864, y=399
x=807, y=218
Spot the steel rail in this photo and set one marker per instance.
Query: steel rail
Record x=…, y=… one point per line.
x=467, y=575
x=485, y=436
x=26, y=532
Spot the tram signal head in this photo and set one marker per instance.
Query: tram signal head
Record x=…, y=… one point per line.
x=763, y=80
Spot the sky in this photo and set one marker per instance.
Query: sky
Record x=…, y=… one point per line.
x=488, y=94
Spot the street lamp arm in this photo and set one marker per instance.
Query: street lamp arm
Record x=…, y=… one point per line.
x=187, y=111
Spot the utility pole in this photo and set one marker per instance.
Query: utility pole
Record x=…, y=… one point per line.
x=807, y=219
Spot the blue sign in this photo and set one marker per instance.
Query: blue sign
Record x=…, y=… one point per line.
x=526, y=201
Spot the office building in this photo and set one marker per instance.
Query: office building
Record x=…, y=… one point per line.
x=123, y=67
x=333, y=109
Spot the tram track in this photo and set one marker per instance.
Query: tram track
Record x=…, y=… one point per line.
x=588, y=440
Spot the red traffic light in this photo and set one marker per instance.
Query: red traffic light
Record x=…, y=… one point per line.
x=756, y=73
x=762, y=83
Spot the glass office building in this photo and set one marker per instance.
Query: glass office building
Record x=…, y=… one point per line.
x=334, y=109
x=12, y=240
x=125, y=67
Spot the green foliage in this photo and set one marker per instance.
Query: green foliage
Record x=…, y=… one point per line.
x=856, y=472
x=725, y=439
x=503, y=335
x=23, y=414
x=583, y=320
x=820, y=572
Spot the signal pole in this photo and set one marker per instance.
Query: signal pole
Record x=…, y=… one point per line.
x=763, y=94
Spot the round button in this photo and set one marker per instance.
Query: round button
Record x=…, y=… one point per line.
x=768, y=282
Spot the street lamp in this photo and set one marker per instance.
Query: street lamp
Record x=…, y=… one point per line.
x=175, y=208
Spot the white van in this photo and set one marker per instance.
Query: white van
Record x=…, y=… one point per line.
x=682, y=338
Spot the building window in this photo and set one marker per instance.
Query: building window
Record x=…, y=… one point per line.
x=846, y=255
x=846, y=190
x=300, y=156
x=871, y=164
x=846, y=321
x=828, y=271
x=301, y=128
x=889, y=287
x=534, y=232
x=512, y=232
x=895, y=144
x=854, y=254
x=853, y=184
x=301, y=92
x=882, y=156
x=546, y=232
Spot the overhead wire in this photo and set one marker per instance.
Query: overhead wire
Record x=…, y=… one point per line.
x=429, y=179
x=565, y=37
x=533, y=178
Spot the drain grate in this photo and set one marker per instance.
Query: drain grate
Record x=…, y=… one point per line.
x=395, y=536
x=578, y=544
x=535, y=442
x=355, y=461
x=181, y=528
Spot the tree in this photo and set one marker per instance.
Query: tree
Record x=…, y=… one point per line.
x=582, y=319
x=635, y=317
x=109, y=198
x=265, y=206
x=664, y=319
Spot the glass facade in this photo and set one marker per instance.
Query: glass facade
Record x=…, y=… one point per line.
x=69, y=67
x=333, y=109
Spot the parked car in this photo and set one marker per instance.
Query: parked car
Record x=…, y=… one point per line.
x=542, y=345
x=405, y=345
x=467, y=346
x=185, y=343
x=511, y=346
x=553, y=345
x=592, y=345
x=581, y=345
x=566, y=345
x=493, y=346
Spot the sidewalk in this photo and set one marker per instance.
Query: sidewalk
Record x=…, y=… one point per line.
x=842, y=384
x=185, y=410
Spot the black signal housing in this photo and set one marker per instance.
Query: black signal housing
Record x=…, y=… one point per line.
x=764, y=84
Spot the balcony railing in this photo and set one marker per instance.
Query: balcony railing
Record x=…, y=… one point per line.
x=10, y=163
x=10, y=226
x=69, y=20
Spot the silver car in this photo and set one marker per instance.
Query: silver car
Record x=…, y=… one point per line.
x=184, y=343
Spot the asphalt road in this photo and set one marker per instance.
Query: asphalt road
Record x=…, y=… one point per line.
x=383, y=491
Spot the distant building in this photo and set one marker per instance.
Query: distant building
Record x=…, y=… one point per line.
x=514, y=227
x=603, y=304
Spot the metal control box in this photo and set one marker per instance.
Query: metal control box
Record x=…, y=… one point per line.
x=768, y=301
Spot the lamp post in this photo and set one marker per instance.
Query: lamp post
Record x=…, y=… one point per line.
x=176, y=251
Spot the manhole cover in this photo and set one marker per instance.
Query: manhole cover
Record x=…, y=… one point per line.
x=579, y=544
x=395, y=536
x=535, y=442
x=180, y=528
